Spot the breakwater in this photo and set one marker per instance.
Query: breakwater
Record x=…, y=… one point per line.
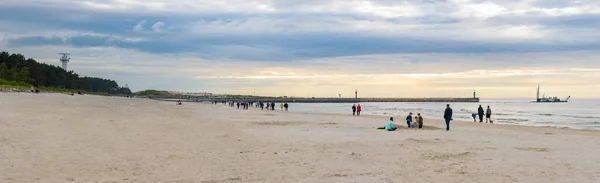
x=329, y=100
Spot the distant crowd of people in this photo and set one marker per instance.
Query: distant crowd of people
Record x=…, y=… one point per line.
x=411, y=121
x=262, y=105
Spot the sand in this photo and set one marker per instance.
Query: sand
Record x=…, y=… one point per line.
x=62, y=138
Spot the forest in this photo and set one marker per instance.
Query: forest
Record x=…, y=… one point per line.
x=16, y=68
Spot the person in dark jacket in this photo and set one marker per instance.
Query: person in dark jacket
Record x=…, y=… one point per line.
x=272, y=106
x=480, y=113
x=448, y=116
x=353, y=109
x=488, y=115
x=286, y=106
x=420, y=120
x=409, y=119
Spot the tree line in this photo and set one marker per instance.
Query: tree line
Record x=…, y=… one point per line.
x=15, y=67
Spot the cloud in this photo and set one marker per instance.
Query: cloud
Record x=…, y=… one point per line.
x=140, y=26
x=158, y=27
x=308, y=40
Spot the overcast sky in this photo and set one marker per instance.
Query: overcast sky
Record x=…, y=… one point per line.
x=382, y=48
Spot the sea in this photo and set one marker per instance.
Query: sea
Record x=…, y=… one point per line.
x=581, y=114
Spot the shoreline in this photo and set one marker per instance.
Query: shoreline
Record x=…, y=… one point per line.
x=62, y=138
x=438, y=122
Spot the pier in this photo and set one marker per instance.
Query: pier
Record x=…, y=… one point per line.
x=330, y=100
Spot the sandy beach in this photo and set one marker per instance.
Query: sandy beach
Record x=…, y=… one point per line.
x=62, y=138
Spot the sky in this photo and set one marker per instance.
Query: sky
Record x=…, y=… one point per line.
x=310, y=48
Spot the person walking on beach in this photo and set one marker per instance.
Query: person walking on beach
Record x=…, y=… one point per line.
x=390, y=125
x=353, y=109
x=480, y=112
x=488, y=115
x=409, y=119
x=358, y=109
x=273, y=106
x=448, y=116
x=281, y=106
x=286, y=106
x=262, y=106
x=420, y=120
x=238, y=105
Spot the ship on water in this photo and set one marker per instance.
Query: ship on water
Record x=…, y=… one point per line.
x=549, y=99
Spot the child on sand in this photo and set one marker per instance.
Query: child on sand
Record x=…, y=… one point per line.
x=474, y=117
x=415, y=122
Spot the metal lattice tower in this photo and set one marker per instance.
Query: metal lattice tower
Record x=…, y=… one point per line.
x=64, y=60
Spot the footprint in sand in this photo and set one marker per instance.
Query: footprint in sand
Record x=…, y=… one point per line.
x=328, y=123
x=280, y=123
x=428, y=141
x=446, y=156
x=533, y=149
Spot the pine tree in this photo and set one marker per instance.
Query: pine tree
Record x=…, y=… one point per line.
x=23, y=75
x=11, y=76
x=4, y=71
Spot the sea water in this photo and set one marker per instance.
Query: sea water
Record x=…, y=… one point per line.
x=576, y=114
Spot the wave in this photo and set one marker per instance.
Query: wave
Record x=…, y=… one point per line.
x=399, y=109
x=569, y=116
x=581, y=117
x=512, y=119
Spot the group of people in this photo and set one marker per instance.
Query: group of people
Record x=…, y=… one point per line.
x=356, y=110
x=284, y=106
x=418, y=120
x=244, y=105
x=410, y=123
x=480, y=112
x=261, y=105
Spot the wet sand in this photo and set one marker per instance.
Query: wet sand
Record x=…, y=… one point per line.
x=62, y=138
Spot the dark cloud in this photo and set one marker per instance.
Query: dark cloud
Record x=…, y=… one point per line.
x=326, y=40
x=299, y=46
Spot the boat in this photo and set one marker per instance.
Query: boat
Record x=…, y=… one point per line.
x=549, y=99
